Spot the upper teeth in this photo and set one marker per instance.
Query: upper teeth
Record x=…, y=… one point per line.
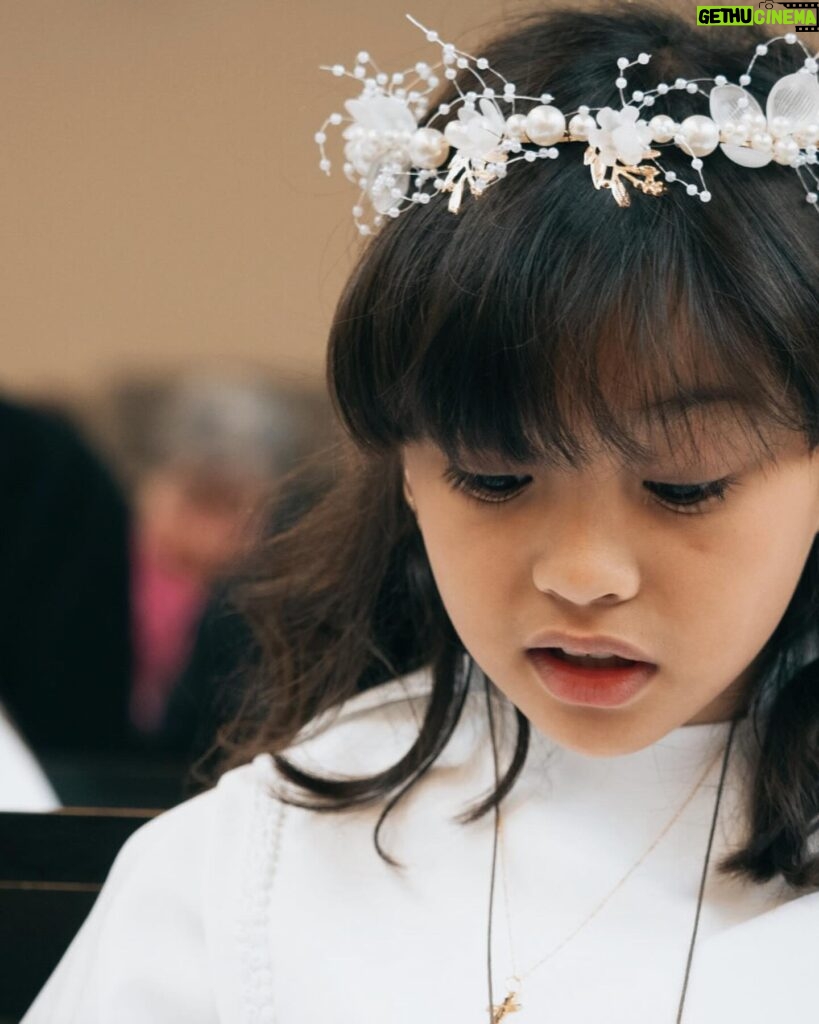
x=585, y=654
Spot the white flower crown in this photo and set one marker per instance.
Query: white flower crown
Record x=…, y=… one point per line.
x=392, y=160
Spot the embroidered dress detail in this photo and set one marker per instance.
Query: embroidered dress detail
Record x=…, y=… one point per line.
x=261, y=855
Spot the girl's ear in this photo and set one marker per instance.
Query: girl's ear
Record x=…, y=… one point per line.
x=408, y=493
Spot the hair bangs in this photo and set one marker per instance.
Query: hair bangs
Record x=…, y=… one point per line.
x=540, y=344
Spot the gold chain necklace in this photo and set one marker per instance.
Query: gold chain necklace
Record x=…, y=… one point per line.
x=510, y=1003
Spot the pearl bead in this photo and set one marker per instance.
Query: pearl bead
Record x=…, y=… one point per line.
x=785, y=150
x=580, y=125
x=762, y=141
x=701, y=133
x=809, y=135
x=662, y=128
x=516, y=126
x=428, y=148
x=621, y=82
x=545, y=125
x=780, y=126
x=759, y=121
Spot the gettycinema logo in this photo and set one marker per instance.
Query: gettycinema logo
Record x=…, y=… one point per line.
x=802, y=17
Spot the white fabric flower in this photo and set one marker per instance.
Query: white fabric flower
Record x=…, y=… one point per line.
x=478, y=136
x=621, y=136
x=793, y=98
x=381, y=130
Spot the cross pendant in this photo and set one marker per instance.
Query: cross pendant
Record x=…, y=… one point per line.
x=509, y=1005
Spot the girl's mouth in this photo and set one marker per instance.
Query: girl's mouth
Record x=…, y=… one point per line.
x=584, y=679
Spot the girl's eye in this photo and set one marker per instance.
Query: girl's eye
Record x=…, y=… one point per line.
x=691, y=496
x=490, y=489
x=494, y=489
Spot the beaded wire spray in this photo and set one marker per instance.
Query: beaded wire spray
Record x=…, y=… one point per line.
x=396, y=163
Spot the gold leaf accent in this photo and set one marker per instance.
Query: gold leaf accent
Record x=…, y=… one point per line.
x=509, y=1005
x=618, y=190
x=642, y=176
x=598, y=172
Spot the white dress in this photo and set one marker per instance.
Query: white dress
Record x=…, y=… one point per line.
x=238, y=909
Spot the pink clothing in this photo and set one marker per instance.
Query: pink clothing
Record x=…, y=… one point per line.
x=165, y=610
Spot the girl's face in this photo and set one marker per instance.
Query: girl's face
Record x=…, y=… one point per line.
x=605, y=550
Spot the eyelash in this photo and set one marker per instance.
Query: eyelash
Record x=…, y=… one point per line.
x=713, y=490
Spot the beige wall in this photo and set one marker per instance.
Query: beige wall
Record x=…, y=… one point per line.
x=160, y=198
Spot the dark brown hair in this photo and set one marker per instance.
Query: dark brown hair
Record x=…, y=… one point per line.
x=504, y=330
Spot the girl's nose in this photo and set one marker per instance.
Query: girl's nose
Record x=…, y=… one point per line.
x=589, y=562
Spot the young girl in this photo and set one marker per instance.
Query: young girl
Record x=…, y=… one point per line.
x=582, y=409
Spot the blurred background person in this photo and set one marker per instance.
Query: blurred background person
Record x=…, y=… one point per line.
x=219, y=444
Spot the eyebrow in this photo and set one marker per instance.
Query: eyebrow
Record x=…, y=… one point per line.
x=676, y=405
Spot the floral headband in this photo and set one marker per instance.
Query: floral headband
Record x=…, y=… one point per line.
x=393, y=161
